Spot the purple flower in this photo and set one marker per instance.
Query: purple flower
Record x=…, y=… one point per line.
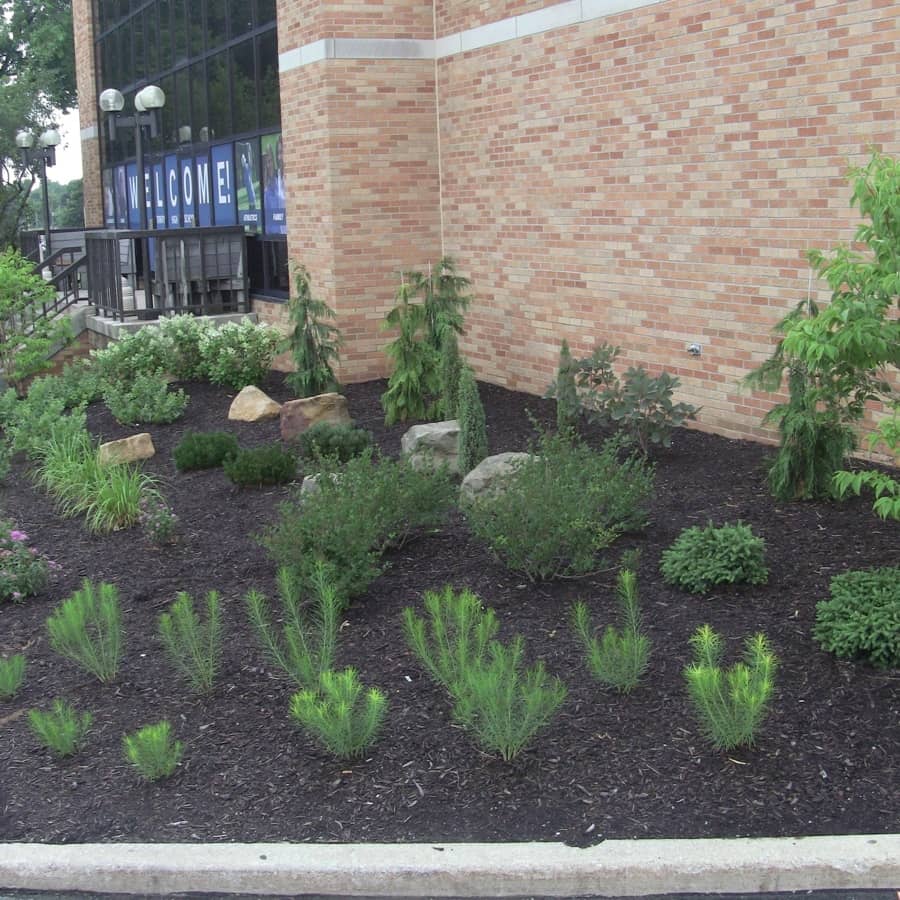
x=18, y=536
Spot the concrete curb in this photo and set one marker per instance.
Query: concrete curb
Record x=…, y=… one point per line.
x=613, y=868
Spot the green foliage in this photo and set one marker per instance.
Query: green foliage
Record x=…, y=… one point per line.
x=883, y=485
x=181, y=337
x=152, y=751
x=702, y=558
x=146, y=400
x=449, y=372
x=568, y=403
x=147, y=351
x=87, y=629
x=862, y=618
x=354, y=515
x=12, y=674
x=730, y=705
x=24, y=571
x=26, y=336
x=239, y=354
x=193, y=646
x=444, y=295
x=204, y=450
x=160, y=524
x=456, y=636
x=306, y=645
x=66, y=204
x=344, y=716
x=338, y=442
x=30, y=422
x=473, y=442
x=313, y=342
x=258, y=466
x=562, y=507
x=618, y=658
x=78, y=385
x=62, y=729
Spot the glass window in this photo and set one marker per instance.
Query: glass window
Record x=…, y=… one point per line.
x=219, y=96
x=140, y=60
x=269, y=98
x=195, y=27
x=199, y=112
x=179, y=30
x=151, y=29
x=240, y=17
x=169, y=124
x=244, y=74
x=182, y=111
x=165, y=34
x=216, y=23
x=265, y=12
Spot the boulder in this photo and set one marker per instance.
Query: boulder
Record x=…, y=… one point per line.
x=130, y=449
x=253, y=405
x=489, y=475
x=310, y=483
x=434, y=444
x=298, y=415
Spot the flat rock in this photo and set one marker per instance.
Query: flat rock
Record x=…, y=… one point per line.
x=298, y=415
x=489, y=475
x=253, y=405
x=130, y=449
x=432, y=445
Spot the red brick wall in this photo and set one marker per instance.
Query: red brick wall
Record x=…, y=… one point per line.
x=87, y=110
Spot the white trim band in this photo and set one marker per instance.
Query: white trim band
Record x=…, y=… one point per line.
x=89, y=133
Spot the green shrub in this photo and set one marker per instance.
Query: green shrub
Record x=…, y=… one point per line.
x=194, y=647
x=562, y=506
x=24, y=571
x=146, y=400
x=142, y=352
x=258, y=466
x=339, y=442
x=29, y=422
x=730, y=705
x=62, y=729
x=344, y=717
x=354, y=515
x=565, y=390
x=862, y=618
x=160, y=524
x=87, y=629
x=618, y=658
x=204, y=450
x=12, y=674
x=152, y=751
x=182, y=336
x=306, y=646
x=702, y=558
x=238, y=355
x=473, y=442
x=449, y=370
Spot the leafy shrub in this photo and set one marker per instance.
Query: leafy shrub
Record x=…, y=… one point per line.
x=23, y=571
x=160, y=524
x=305, y=648
x=344, y=717
x=618, y=658
x=730, y=705
x=562, y=506
x=339, y=442
x=473, y=442
x=257, y=466
x=30, y=422
x=194, y=647
x=62, y=729
x=884, y=486
x=181, y=337
x=353, y=517
x=237, y=355
x=78, y=385
x=152, y=751
x=862, y=618
x=12, y=674
x=204, y=450
x=142, y=352
x=147, y=399
x=87, y=629
x=702, y=558
x=5, y=460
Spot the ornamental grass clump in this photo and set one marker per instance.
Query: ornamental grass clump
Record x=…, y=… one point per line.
x=620, y=657
x=862, y=618
x=193, y=646
x=87, y=629
x=702, y=558
x=204, y=450
x=730, y=705
x=340, y=713
x=12, y=675
x=62, y=729
x=259, y=466
x=152, y=751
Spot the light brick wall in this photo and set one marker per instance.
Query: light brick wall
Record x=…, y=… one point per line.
x=87, y=110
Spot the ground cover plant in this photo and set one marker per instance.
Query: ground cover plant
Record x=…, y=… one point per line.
x=605, y=765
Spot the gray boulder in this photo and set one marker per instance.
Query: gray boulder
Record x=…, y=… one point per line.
x=433, y=445
x=488, y=476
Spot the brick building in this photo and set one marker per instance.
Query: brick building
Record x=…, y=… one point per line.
x=647, y=173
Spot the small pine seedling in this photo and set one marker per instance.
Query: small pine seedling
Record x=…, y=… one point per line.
x=152, y=751
x=62, y=729
x=473, y=442
x=194, y=647
x=12, y=674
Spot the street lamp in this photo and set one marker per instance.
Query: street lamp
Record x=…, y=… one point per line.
x=44, y=155
x=146, y=102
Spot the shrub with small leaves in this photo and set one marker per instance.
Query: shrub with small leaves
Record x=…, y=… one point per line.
x=702, y=558
x=160, y=524
x=24, y=571
x=239, y=354
x=259, y=466
x=62, y=729
x=862, y=618
x=146, y=400
x=473, y=442
x=194, y=647
x=12, y=674
x=339, y=442
x=204, y=450
x=152, y=751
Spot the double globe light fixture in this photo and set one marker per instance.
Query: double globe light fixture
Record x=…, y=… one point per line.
x=43, y=156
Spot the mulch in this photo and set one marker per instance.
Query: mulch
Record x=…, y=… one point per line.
x=608, y=766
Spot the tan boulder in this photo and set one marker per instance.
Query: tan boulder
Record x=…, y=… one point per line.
x=130, y=449
x=253, y=405
x=298, y=415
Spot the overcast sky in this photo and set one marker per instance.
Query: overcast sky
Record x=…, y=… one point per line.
x=68, y=154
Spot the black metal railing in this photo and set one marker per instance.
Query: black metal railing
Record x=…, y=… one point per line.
x=66, y=270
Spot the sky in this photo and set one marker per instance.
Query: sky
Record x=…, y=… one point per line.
x=68, y=154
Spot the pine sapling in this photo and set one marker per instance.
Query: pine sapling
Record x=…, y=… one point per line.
x=152, y=751
x=450, y=369
x=193, y=646
x=62, y=729
x=568, y=404
x=473, y=443
x=12, y=674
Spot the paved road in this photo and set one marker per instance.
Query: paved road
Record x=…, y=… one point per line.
x=788, y=895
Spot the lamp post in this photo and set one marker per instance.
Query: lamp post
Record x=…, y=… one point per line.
x=44, y=155
x=146, y=102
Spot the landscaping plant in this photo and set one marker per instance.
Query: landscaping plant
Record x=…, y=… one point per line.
x=146, y=400
x=143, y=352
x=204, y=450
x=450, y=369
x=239, y=354
x=565, y=390
x=730, y=705
x=29, y=422
x=160, y=524
x=703, y=558
x=24, y=571
x=193, y=646
x=87, y=629
x=338, y=442
x=62, y=729
x=618, y=658
x=473, y=442
x=862, y=618
x=12, y=674
x=340, y=713
x=152, y=751
x=258, y=466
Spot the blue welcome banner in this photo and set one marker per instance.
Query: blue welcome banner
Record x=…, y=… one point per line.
x=223, y=192
x=203, y=187
x=173, y=195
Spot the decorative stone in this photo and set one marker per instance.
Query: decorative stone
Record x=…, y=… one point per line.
x=433, y=445
x=130, y=449
x=253, y=405
x=298, y=415
x=489, y=475
x=310, y=484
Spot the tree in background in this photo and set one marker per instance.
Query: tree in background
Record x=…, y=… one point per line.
x=66, y=205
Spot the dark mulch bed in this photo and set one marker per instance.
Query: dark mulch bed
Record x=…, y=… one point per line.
x=608, y=766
